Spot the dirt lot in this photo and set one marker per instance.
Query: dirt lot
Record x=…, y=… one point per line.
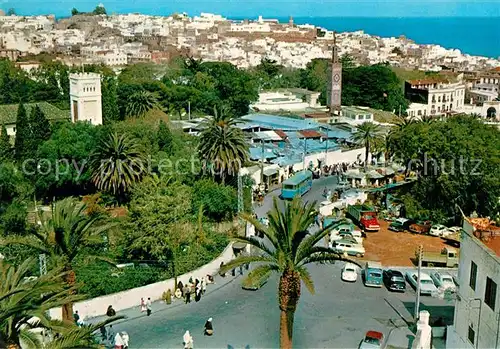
x=397, y=249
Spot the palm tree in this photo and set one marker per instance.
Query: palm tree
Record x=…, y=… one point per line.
x=117, y=163
x=139, y=103
x=291, y=247
x=72, y=336
x=222, y=145
x=25, y=301
x=367, y=134
x=64, y=236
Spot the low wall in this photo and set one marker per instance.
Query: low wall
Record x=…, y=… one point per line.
x=131, y=298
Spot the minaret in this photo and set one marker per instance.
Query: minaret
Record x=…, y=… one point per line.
x=290, y=22
x=334, y=88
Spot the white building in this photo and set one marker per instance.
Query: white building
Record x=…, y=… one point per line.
x=477, y=309
x=293, y=99
x=433, y=97
x=85, y=98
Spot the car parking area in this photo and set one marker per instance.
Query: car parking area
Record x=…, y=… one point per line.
x=391, y=248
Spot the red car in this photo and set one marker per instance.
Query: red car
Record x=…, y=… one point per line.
x=373, y=340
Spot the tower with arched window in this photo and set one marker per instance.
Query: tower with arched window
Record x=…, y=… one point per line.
x=85, y=98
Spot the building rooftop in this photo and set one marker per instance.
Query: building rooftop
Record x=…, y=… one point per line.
x=8, y=112
x=486, y=231
x=429, y=81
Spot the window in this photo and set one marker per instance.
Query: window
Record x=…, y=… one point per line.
x=472, y=334
x=490, y=294
x=473, y=275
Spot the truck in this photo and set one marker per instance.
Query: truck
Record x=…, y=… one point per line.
x=365, y=216
x=422, y=227
x=453, y=239
x=448, y=257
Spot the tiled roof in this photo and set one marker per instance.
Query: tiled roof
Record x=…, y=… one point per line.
x=310, y=134
x=427, y=81
x=8, y=112
x=281, y=133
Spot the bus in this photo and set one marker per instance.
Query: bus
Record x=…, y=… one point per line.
x=373, y=274
x=299, y=184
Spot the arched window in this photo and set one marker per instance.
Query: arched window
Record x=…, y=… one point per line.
x=491, y=113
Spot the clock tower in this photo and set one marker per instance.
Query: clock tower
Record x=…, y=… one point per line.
x=334, y=88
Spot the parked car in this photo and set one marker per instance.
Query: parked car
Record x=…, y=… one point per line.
x=349, y=272
x=394, y=280
x=427, y=286
x=345, y=246
x=372, y=340
x=400, y=225
x=438, y=230
x=444, y=281
x=452, y=231
x=422, y=227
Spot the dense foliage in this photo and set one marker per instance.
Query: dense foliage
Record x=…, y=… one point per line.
x=457, y=160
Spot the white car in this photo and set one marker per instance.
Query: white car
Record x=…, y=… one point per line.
x=452, y=230
x=343, y=246
x=349, y=272
x=438, y=230
x=444, y=281
x=427, y=286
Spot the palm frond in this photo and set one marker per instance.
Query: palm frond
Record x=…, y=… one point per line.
x=261, y=272
x=243, y=260
x=306, y=278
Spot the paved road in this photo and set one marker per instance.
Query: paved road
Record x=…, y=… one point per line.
x=337, y=316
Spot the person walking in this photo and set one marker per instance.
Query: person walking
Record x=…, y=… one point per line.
x=110, y=312
x=220, y=267
x=118, y=341
x=203, y=285
x=143, y=305
x=125, y=339
x=188, y=341
x=76, y=317
x=111, y=335
x=187, y=293
x=209, y=328
x=148, y=306
x=104, y=335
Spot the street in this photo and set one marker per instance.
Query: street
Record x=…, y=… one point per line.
x=337, y=316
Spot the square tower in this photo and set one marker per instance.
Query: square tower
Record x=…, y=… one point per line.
x=85, y=97
x=334, y=86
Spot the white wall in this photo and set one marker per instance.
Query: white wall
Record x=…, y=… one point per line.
x=131, y=298
x=333, y=157
x=469, y=301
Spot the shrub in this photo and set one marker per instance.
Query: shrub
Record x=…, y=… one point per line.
x=219, y=201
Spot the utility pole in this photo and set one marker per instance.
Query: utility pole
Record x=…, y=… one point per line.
x=240, y=194
x=417, y=301
x=400, y=111
x=262, y=164
x=189, y=110
x=304, y=157
x=43, y=264
x=326, y=150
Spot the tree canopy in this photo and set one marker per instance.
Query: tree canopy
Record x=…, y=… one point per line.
x=457, y=160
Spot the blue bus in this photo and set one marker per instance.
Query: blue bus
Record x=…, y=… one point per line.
x=299, y=184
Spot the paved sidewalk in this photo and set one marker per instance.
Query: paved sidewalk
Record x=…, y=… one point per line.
x=161, y=306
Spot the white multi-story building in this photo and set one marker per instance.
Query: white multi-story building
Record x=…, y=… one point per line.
x=433, y=97
x=85, y=98
x=477, y=309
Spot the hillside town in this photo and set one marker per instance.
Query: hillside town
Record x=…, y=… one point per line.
x=117, y=40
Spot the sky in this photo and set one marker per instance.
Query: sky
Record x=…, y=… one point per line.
x=273, y=8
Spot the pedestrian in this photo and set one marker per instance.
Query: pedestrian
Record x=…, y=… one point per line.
x=209, y=328
x=125, y=339
x=111, y=335
x=188, y=341
x=197, y=292
x=187, y=294
x=203, y=285
x=110, y=312
x=103, y=333
x=118, y=341
x=143, y=305
x=148, y=306
x=233, y=272
x=180, y=286
x=241, y=269
x=220, y=272
x=76, y=317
